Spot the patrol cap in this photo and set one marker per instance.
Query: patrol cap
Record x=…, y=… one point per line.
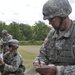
x=54, y=8
x=4, y=31
x=14, y=43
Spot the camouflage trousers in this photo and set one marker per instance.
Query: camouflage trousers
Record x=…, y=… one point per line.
x=65, y=70
x=69, y=70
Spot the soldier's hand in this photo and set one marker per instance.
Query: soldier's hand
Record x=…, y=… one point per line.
x=1, y=61
x=47, y=71
x=38, y=64
x=6, y=53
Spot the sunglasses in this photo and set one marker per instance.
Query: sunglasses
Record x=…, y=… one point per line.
x=51, y=19
x=9, y=45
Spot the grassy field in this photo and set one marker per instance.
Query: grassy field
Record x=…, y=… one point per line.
x=29, y=53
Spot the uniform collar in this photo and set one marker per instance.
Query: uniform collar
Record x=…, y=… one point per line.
x=66, y=34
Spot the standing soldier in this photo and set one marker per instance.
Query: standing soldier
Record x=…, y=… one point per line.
x=58, y=51
x=12, y=64
x=5, y=39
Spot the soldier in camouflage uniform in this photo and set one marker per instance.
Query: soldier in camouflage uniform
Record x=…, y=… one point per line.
x=12, y=64
x=59, y=46
x=5, y=39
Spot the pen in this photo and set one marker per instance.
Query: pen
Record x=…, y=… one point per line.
x=39, y=62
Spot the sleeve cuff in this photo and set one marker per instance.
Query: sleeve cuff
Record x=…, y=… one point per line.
x=60, y=70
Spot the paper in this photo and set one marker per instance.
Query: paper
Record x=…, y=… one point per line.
x=32, y=71
x=1, y=56
x=45, y=66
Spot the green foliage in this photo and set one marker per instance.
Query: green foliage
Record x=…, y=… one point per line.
x=25, y=32
x=15, y=30
x=40, y=31
x=31, y=42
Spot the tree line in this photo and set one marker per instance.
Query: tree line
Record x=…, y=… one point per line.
x=26, y=32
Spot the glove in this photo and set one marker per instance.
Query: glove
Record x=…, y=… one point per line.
x=51, y=70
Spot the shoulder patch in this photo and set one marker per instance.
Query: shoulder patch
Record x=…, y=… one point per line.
x=45, y=41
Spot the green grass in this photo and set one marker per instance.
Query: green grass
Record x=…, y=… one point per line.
x=29, y=53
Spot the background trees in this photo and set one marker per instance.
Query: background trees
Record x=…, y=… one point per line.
x=25, y=32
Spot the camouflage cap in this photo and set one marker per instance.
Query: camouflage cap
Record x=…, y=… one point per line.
x=54, y=8
x=14, y=43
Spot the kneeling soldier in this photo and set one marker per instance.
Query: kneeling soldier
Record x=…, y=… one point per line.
x=12, y=64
